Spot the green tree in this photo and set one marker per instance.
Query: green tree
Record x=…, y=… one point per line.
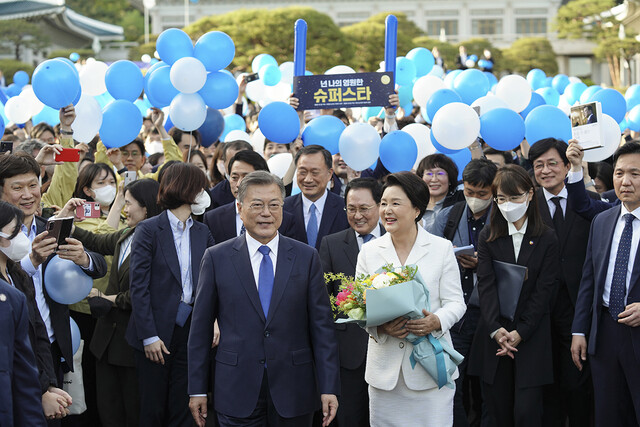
x=22, y=34
x=612, y=49
x=10, y=66
x=257, y=31
x=132, y=23
x=530, y=52
x=117, y=12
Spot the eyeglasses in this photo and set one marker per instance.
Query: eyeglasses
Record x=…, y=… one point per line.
x=352, y=210
x=514, y=199
x=259, y=207
x=551, y=164
x=439, y=174
x=133, y=154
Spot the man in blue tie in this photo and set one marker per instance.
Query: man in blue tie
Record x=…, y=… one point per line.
x=277, y=360
x=606, y=323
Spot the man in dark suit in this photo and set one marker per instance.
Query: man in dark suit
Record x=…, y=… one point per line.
x=221, y=193
x=607, y=317
x=224, y=222
x=317, y=211
x=277, y=359
x=569, y=397
x=21, y=404
x=339, y=254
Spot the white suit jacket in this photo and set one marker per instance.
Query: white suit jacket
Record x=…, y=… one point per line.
x=438, y=267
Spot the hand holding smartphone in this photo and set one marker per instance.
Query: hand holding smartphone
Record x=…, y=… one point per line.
x=60, y=228
x=88, y=210
x=68, y=155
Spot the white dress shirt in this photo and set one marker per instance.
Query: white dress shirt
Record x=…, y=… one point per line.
x=182, y=241
x=306, y=206
x=125, y=249
x=563, y=194
x=517, y=235
x=375, y=233
x=256, y=257
x=617, y=234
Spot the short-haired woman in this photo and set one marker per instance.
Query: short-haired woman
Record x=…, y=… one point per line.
x=441, y=175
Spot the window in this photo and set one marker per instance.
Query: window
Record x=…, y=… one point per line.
x=531, y=25
x=487, y=12
x=450, y=27
x=532, y=11
x=443, y=12
x=486, y=26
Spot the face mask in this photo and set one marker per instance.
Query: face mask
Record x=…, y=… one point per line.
x=153, y=147
x=201, y=203
x=477, y=205
x=513, y=211
x=105, y=195
x=19, y=247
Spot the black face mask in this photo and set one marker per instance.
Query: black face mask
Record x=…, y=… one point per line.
x=99, y=307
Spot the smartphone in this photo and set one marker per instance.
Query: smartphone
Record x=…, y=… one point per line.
x=48, y=213
x=129, y=177
x=60, y=228
x=88, y=210
x=68, y=155
x=251, y=77
x=6, y=146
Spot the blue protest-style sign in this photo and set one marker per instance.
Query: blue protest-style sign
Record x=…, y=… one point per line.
x=390, y=44
x=300, y=48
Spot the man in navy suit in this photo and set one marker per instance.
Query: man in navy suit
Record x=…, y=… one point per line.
x=20, y=404
x=224, y=222
x=221, y=193
x=316, y=211
x=606, y=323
x=277, y=358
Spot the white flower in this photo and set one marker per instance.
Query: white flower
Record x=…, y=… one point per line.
x=398, y=270
x=381, y=281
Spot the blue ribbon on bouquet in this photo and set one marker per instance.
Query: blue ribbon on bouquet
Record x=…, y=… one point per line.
x=438, y=350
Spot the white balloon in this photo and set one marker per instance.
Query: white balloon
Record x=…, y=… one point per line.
x=279, y=164
x=256, y=90
x=437, y=71
x=257, y=141
x=279, y=92
x=35, y=105
x=424, y=87
x=188, y=74
x=88, y=119
x=92, y=78
x=470, y=63
x=611, y=136
x=340, y=69
x=146, y=58
x=515, y=91
x=574, y=79
x=17, y=110
x=456, y=126
x=564, y=105
x=422, y=136
x=359, y=145
x=188, y=111
x=286, y=69
x=90, y=60
x=237, y=134
x=488, y=103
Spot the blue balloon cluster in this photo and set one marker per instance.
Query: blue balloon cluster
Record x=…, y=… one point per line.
x=423, y=61
x=440, y=98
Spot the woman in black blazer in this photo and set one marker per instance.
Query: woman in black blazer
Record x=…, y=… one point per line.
x=117, y=391
x=513, y=358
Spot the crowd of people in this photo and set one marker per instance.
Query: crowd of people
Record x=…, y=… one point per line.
x=209, y=304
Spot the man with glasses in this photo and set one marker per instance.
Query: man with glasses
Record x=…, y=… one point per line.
x=277, y=359
x=339, y=254
x=569, y=396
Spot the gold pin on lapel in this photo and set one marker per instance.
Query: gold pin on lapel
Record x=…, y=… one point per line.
x=531, y=242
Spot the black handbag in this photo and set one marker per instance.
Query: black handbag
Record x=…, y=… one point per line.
x=509, y=281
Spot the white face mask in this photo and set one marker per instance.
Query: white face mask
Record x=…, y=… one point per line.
x=201, y=203
x=477, y=205
x=513, y=211
x=105, y=195
x=19, y=247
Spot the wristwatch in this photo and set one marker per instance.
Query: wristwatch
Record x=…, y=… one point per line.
x=591, y=183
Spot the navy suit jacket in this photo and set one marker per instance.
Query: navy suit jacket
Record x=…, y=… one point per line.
x=296, y=341
x=221, y=194
x=594, y=272
x=155, y=281
x=222, y=223
x=583, y=205
x=21, y=403
x=334, y=218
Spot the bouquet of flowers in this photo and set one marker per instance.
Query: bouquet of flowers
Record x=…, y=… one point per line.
x=392, y=292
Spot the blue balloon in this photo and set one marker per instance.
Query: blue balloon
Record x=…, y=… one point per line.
x=422, y=59
x=560, y=82
x=104, y=99
x=502, y=128
x=219, y=91
x=270, y=74
x=212, y=127
x=550, y=95
x=215, y=50
x=65, y=281
x=536, y=101
x=405, y=93
x=68, y=61
x=13, y=90
x=633, y=119
x=450, y=78
x=573, y=91
x=279, y=122
x=624, y=125
x=441, y=148
x=124, y=80
x=168, y=124
x=143, y=105
x=55, y=83
x=632, y=93
x=2, y=124
x=75, y=56
x=368, y=112
x=470, y=85
x=173, y=44
x=485, y=64
x=161, y=91
x=440, y=98
x=405, y=71
x=233, y=122
x=324, y=131
x=4, y=119
x=613, y=103
x=121, y=123
x=21, y=78
x=398, y=151
x=588, y=93
x=75, y=335
x=547, y=121
x=536, y=78
x=461, y=158
x=262, y=60
x=474, y=58
x=47, y=115
x=632, y=102
x=493, y=80
x=78, y=96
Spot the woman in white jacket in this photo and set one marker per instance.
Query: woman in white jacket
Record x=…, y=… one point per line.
x=399, y=394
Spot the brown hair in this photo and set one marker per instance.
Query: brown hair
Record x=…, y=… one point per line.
x=180, y=184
